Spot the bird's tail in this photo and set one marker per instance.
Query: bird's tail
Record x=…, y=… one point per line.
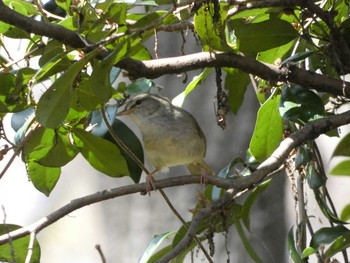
x=201, y=168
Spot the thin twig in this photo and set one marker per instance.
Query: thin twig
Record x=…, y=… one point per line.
x=19, y=147
x=10, y=240
x=100, y=252
x=30, y=247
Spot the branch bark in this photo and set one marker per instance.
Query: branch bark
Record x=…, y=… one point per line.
x=288, y=73
x=31, y=25
x=156, y=68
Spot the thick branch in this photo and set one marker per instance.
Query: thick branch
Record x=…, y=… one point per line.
x=30, y=25
x=156, y=68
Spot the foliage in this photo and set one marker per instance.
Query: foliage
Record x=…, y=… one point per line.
x=75, y=114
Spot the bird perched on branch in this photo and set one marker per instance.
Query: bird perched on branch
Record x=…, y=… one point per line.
x=171, y=135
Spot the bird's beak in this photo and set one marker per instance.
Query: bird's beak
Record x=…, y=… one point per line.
x=124, y=112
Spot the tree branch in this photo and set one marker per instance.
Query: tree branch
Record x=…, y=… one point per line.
x=288, y=73
x=31, y=25
x=156, y=68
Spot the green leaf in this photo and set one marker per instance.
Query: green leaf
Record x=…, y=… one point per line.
x=345, y=213
x=160, y=253
x=179, y=99
x=153, y=245
x=100, y=77
x=12, y=93
x=301, y=56
x=314, y=178
x=249, y=13
x=210, y=27
x=342, y=168
x=43, y=178
x=133, y=143
x=148, y=19
x=141, y=85
x=54, y=104
x=308, y=252
x=236, y=83
x=84, y=98
x=292, y=248
x=323, y=205
x=21, y=7
x=18, y=247
x=300, y=105
x=327, y=235
x=48, y=147
x=340, y=244
x=343, y=147
x=268, y=129
x=103, y=155
x=65, y=4
x=57, y=63
x=117, y=13
x=275, y=54
x=256, y=37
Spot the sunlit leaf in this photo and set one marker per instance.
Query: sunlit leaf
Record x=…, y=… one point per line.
x=343, y=147
x=345, y=213
x=43, y=178
x=236, y=83
x=274, y=55
x=210, y=26
x=339, y=245
x=179, y=99
x=256, y=37
x=268, y=129
x=48, y=147
x=17, y=248
x=308, y=252
x=342, y=168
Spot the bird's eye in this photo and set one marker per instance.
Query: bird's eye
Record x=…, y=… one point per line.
x=138, y=102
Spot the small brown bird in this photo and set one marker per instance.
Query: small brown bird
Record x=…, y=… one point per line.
x=170, y=134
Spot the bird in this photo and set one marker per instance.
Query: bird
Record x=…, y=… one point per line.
x=171, y=135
